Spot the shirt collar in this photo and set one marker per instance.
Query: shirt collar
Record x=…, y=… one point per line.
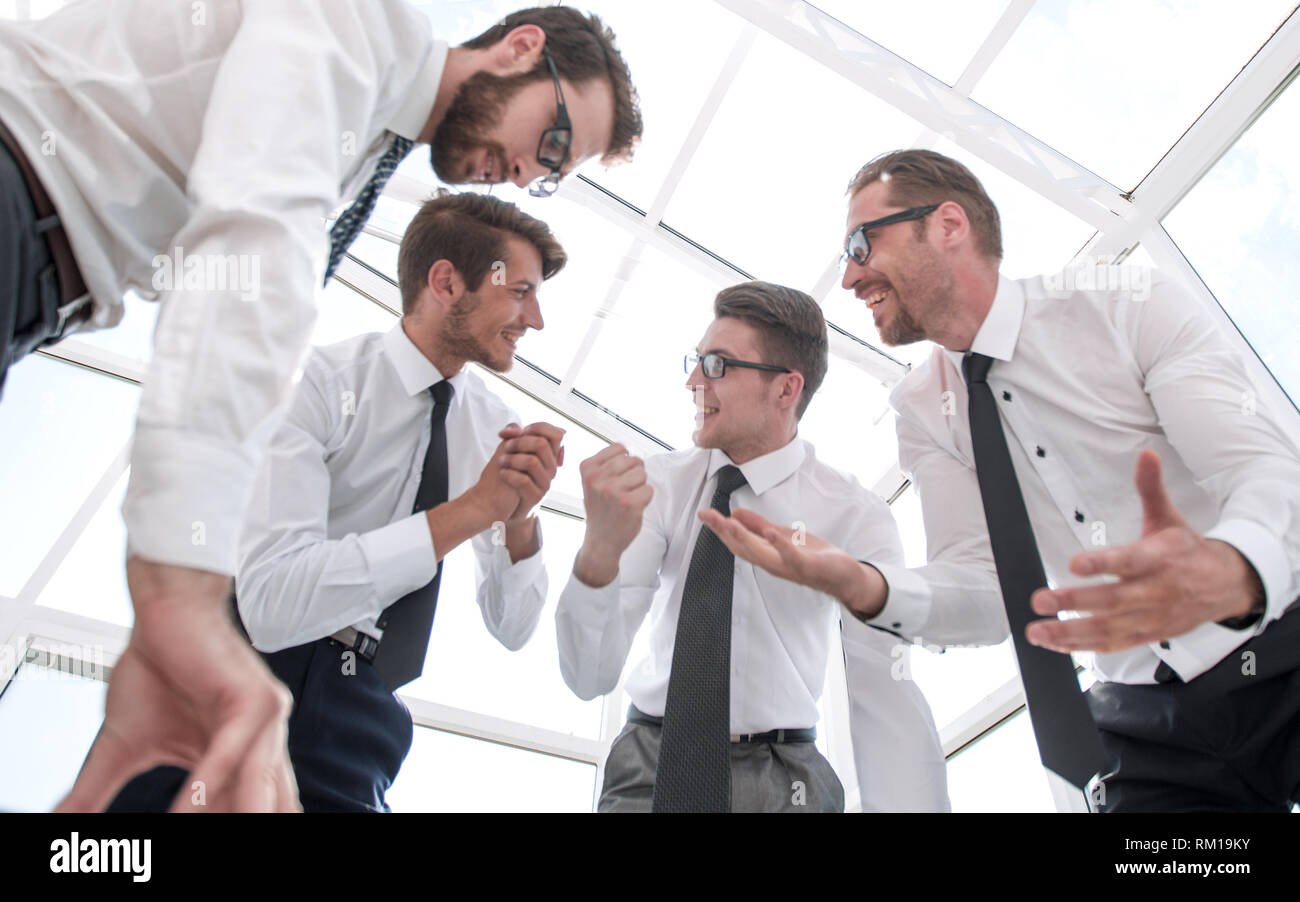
x=416, y=372
x=998, y=333
x=413, y=114
x=766, y=472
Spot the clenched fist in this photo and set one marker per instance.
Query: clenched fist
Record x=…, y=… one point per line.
x=615, y=494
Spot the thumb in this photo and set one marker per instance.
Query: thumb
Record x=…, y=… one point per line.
x=1158, y=511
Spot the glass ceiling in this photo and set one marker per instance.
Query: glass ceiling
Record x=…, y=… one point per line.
x=756, y=187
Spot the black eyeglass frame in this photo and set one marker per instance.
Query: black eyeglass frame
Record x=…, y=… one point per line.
x=904, y=216
x=692, y=358
x=562, y=132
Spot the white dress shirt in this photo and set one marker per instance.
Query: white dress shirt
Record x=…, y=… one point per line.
x=1084, y=381
x=330, y=539
x=780, y=631
x=194, y=131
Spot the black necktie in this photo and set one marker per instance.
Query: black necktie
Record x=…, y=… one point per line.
x=1063, y=727
x=353, y=219
x=406, y=622
x=694, y=772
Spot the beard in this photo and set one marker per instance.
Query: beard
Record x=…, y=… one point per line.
x=459, y=340
x=929, y=285
x=478, y=107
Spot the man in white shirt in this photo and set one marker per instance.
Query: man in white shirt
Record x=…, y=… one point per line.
x=1186, y=580
x=331, y=550
x=725, y=704
x=191, y=153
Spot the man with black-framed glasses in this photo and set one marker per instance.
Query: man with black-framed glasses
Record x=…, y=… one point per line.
x=1096, y=428
x=224, y=141
x=725, y=705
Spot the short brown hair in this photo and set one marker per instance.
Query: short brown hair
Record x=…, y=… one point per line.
x=918, y=178
x=791, y=329
x=583, y=49
x=469, y=230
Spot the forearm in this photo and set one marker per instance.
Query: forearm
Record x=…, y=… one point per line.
x=596, y=564
x=523, y=539
x=457, y=521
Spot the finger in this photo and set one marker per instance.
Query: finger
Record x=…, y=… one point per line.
x=615, y=467
x=559, y=461
x=609, y=452
x=1158, y=510
x=1107, y=598
x=530, y=466
x=627, y=481
x=553, y=434
x=258, y=709
x=741, y=541
x=751, y=520
x=1103, y=634
x=511, y=431
x=107, y=768
x=258, y=786
x=535, y=445
x=1125, y=561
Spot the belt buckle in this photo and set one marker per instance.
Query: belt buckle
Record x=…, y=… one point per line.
x=66, y=312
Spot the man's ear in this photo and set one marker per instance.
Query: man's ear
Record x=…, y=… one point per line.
x=444, y=284
x=519, y=51
x=953, y=224
x=791, y=389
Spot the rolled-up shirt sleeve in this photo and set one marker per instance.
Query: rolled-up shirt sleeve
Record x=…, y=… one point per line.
x=261, y=184
x=295, y=584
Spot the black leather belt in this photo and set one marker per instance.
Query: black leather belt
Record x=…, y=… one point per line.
x=803, y=735
x=75, y=305
x=364, y=644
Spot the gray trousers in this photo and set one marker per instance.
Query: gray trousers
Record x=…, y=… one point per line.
x=765, y=776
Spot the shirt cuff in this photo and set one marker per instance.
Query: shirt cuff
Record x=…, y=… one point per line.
x=186, y=499
x=399, y=557
x=908, y=600
x=1265, y=553
x=590, y=607
x=518, y=576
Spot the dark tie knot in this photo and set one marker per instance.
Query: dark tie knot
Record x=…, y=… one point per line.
x=975, y=367
x=442, y=392
x=729, y=479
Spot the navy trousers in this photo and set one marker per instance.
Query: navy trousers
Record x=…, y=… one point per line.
x=1227, y=741
x=29, y=286
x=348, y=735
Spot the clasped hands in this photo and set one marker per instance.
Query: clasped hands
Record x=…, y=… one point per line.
x=1167, y=583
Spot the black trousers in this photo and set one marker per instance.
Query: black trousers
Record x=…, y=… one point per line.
x=29, y=285
x=1227, y=741
x=348, y=735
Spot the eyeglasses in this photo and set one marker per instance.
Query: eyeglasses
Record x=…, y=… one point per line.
x=858, y=247
x=553, y=148
x=715, y=365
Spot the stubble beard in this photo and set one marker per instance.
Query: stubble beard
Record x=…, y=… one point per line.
x=459, y=340
x=929, y=285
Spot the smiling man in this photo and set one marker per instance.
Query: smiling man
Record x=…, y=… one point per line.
x=725, y=705
x=392, y=454
x=134, y=133
x=1105, y=439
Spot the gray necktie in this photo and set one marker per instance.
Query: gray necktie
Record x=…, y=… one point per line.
x=694, y=772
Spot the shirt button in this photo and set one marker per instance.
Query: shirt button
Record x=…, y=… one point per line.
x=898, y=626
x=1006, y=396
x=1079, y=516
x=1164, y=644
x=1041, y=452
